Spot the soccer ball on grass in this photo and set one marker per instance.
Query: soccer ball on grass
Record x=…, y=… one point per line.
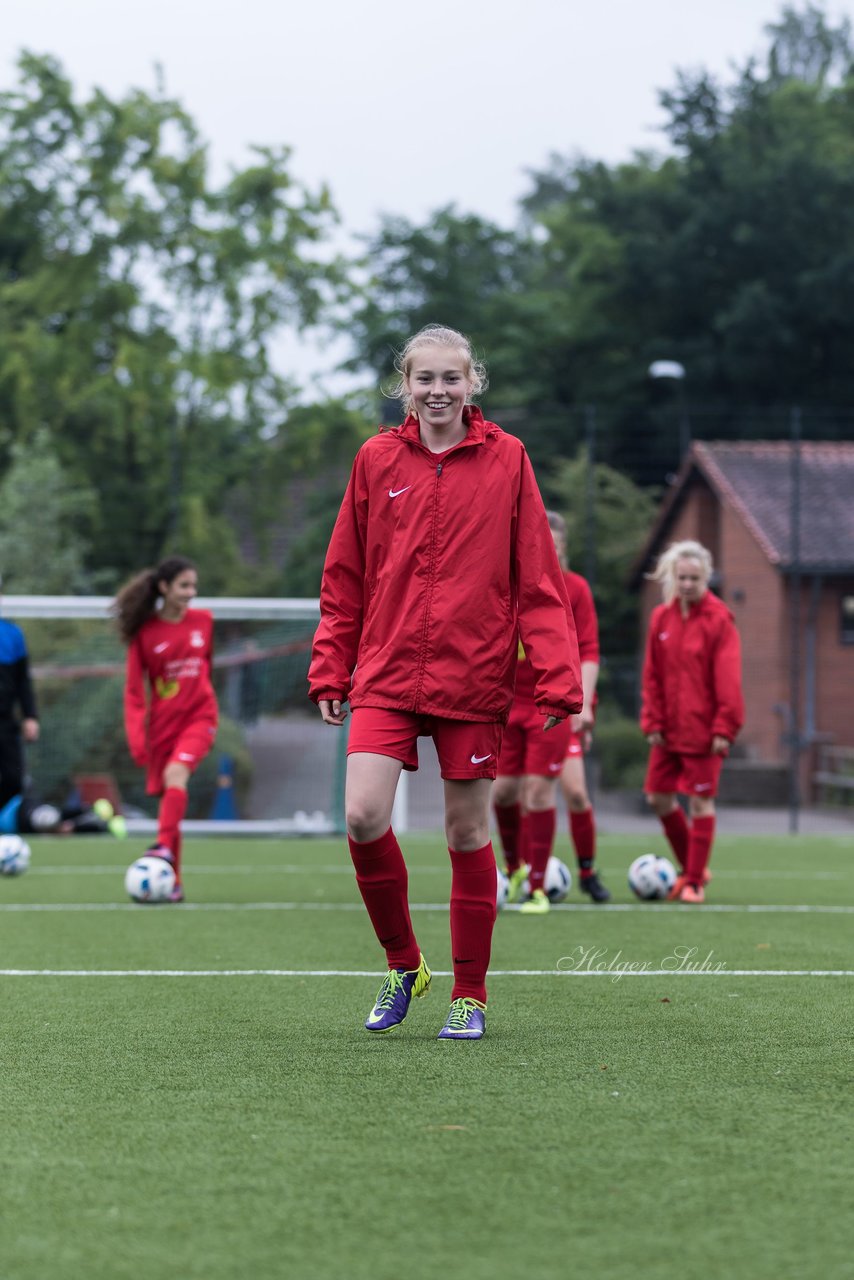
x=149, y=879
x=14, y=856
x=651, y=877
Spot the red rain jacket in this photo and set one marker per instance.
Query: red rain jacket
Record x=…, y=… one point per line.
x=437, y=564
x=583, y=612
x=692, y=676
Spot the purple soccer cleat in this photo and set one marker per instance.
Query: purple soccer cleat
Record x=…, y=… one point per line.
x=466, y=1020
x=398, y=988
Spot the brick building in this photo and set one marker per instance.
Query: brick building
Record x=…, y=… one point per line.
x=743, y=502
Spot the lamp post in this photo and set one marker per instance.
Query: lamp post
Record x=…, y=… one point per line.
x=673, y=371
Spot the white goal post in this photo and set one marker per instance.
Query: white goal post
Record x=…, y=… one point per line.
x=298, y=765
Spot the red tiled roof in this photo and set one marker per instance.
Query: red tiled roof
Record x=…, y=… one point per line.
x=754, y=478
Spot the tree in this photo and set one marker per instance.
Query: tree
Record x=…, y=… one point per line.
x=622, y=515
x=139, y=304
x=43, y=522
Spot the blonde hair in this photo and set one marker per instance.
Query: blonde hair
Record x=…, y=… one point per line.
x=437, y=335
x=665, y=568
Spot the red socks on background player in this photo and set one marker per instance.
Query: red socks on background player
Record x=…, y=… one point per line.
x=384, y=886
x=173, y=806
x=702, y=834
x=677, y=832
x=539, y=827
x=582, y=830
x=508, y=818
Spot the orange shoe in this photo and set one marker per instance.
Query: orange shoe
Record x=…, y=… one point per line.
x=678, y=885
x=692, y=893
x=707, y=876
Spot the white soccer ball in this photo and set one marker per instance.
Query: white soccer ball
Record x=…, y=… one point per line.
x=503, y=888
x=558, y=880
x=149, y=879
x=14, y=856
x=651, y=877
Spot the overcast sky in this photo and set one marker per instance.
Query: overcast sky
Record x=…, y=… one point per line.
x=400, y=107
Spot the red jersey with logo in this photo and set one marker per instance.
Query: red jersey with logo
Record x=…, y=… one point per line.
x=174, y=660
x=583, y=613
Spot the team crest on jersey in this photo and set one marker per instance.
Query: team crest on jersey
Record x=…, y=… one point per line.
x=166, y=688
x=197, y=640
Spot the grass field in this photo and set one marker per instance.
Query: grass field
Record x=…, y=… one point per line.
x=188, y=1091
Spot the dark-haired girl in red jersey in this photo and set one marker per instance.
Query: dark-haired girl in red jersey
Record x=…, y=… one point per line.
x=171, y=728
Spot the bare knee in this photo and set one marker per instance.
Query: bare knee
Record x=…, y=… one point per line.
x=576, y=798
x=661, y=803
x=176, y=775
x=505, y=791
x=701, y=806
x=366, y=820
x=465, y=832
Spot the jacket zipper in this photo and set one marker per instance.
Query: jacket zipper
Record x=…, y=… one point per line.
x=431, y=580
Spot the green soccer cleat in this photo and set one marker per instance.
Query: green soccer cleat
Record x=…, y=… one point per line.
x=398, y=988
x=516, y=884
x=537, y=905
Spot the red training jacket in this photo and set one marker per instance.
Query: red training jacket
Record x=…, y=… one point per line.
x=176, y=659
x=583, y=614
x=692, y=676
x=437, y=563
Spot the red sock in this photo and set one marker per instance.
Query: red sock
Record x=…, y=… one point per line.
x=540, y=827
x=582, y=828
x=699, y=848
x=173, y=806
x=509, y=819
x=473, y=912
x=676, y=829
x=384, y=884
x=176, y=858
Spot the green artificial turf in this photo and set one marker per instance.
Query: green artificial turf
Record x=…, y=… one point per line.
x=672, y=1124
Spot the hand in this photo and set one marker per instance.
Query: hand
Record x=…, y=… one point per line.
x=655, y=739
x=30, y=729
x=720, y=745
x=332, y=712
x=551, y=721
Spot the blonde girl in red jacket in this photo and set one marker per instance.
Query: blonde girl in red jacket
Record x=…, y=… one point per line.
x=441, y=559
x=692, y=707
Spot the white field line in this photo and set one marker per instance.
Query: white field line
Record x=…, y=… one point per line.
x=291, y=869
x=667, y=908
x=437, y=973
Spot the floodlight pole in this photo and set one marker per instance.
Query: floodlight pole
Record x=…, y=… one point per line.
x=673, y=371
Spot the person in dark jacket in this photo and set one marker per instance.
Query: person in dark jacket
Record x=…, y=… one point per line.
x=441, y=559
x=18, y=715
x=692, y=707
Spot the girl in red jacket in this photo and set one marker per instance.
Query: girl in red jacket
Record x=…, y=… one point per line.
x=692, y=707
x=531, y=765
x=441, y=558
x=172, y=729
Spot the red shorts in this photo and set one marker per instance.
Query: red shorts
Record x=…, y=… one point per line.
x=575, y=746
x=189, y=749
x=669, y=771
x=466, y=748
x=528, y=749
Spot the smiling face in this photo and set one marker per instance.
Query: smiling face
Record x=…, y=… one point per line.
x=439, y=383
x=690, y=580
x=179, y=593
